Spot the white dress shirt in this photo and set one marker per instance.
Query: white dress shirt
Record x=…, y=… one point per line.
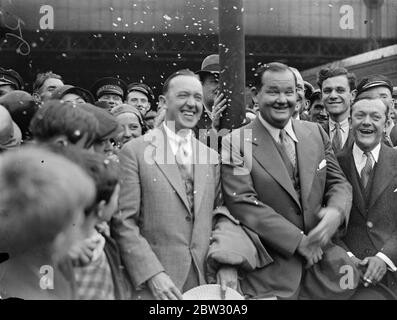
x=344, y=126
x=359, y=160
x=175, y=139
x=275, y=132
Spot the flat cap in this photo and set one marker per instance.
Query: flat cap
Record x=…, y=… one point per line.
x=109, y=85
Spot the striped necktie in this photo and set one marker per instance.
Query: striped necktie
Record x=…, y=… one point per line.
x=337, y=139
x=366, y=171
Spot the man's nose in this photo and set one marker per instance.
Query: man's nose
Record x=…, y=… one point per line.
x=191, y=101
x=367, y=120
x=333, y=94
x=282, y=98
x=127, y=132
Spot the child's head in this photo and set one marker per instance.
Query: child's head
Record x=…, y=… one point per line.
x=42, y=200
x=58, y=121
x=105, y=174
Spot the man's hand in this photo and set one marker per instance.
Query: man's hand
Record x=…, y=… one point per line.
x=81, y=253
x=311, y=252
x=326, y=228
x=227, y=277
x=356, y=261
x=376, y=269
x=217, y=109
x=163, y=288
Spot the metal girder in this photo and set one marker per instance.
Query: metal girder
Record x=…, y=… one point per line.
x=180, y=46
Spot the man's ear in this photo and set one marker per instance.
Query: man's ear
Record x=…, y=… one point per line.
x=61, y=140
x=101, y=208
x=162, y=102
x=36, y=97
x=354, y=94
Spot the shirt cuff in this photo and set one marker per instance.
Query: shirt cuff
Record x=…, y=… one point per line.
x=350, y=254
x=390, y=264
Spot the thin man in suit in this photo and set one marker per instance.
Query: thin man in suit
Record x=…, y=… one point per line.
x=371, y=168
x=170, y=193
x=280, y=178
x=338, y=90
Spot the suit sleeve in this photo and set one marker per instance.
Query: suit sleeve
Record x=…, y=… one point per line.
x=240, y=197
x=338, y=191
x=138, y=257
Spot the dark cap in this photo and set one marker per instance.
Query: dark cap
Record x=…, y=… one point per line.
x=372, y=81
x=22, y=107
x=143, y=88
x=108, y=126
x=316, y=95
x=60, y=92
x=108, y=85
x=210, y=65
x=308, y=89
x=11, y=77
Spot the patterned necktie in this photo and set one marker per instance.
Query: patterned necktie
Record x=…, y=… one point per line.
x=183, y=156
x=366, y=171
x=337, y=139
x=289, y=146
x=184, y=161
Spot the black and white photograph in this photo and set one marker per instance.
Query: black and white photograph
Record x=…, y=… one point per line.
x=220, y=152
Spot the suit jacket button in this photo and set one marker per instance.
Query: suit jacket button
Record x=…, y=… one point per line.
x=367, y=251
x=370, y=224
x=188, y=218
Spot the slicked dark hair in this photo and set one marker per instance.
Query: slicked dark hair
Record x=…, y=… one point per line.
x=183, y=72
x=370, y=98
x=272, y=67
x=42, y=77
x=326, y=73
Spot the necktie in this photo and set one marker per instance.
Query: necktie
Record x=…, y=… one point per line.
x=366, y=171
x=185, y=165
x=288, y=146
x=337, y=139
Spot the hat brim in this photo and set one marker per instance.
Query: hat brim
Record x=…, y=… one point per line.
x=211, y=292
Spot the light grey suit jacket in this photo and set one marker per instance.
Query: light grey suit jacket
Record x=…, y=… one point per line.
x=154, y=227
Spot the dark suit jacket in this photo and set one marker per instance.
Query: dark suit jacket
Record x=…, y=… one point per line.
x=350, y=138
x=393, y=135
x=259, y=192
x=373, y=228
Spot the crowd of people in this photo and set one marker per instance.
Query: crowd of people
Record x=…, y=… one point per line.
x=110, y=193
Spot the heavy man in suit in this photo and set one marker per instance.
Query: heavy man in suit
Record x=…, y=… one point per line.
x=371, y=168
x=170, y=193
x=281, y=179
x=338, y=90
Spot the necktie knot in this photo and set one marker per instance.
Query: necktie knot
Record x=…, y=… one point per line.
x=182, y=154
x=366, y=171
x=337, y=126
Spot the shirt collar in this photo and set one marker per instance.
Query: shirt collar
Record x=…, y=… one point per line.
x=177, y=138
x=275, y=132
x=344, y=125
x=358, y=153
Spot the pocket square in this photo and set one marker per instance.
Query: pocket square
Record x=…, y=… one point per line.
x=322, y=164
x=395, y=190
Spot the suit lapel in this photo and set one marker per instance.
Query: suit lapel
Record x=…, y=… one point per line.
x=166, y=162
x=307, y=160
x=348, y=166
x=267, y=155
x=383, y=174
x=201, y=161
